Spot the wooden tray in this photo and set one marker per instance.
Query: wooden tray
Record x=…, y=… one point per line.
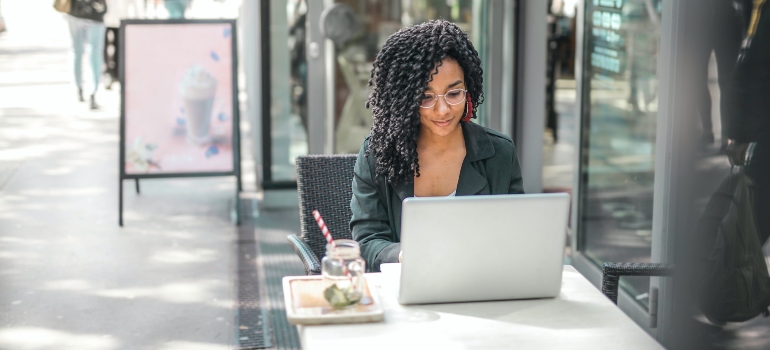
x=305, y=304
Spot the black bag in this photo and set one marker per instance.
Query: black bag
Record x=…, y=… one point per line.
x=89, y=9
x=733, y=285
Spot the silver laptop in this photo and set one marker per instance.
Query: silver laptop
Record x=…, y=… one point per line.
x=478, y=248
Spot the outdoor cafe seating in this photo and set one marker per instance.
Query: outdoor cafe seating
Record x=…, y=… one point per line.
x=324, y=184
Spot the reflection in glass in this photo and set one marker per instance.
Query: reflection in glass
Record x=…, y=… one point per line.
x=288, y=76
x=730, y=102
x=561, y=99
x=617, y=154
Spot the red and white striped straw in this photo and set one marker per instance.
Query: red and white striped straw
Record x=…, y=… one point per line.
x=322, y=225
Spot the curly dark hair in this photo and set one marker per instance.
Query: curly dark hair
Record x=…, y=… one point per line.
x=400, y=75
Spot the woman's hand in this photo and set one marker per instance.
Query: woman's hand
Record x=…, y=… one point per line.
x=736, y=152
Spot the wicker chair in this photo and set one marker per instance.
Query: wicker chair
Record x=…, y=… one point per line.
x=324, y=184
x=612, y=272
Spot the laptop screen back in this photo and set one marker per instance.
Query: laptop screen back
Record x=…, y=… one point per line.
x=474, y=248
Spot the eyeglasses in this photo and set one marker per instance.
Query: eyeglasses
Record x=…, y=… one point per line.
x=452, y=97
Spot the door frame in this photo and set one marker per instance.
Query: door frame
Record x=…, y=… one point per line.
x=669, y=58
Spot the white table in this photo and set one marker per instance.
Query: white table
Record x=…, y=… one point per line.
x=581, y=317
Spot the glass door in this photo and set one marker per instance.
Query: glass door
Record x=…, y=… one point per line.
x=617, y=138
x=284, y=130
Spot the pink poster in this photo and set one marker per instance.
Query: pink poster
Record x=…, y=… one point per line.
x=178, y=98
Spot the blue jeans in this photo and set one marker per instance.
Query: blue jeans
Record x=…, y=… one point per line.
x=89, y=32
x=176, y=8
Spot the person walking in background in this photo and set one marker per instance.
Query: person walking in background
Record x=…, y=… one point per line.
x=176, y=8
x=2, y=21
x=749, y=120
x=86, y=25
x=721, y=23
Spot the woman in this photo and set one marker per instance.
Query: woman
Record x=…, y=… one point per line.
x=86, y=25
x=426, y=86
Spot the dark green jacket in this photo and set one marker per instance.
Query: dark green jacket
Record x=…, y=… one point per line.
x=490, y=167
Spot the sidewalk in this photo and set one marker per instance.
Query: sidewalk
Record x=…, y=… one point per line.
x=70, y=278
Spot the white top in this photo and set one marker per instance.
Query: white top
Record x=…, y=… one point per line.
x=579, y=318
x=454, y=193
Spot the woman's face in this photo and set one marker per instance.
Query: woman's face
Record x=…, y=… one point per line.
x=442, y=119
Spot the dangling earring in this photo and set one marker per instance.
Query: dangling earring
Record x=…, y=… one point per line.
x=468, y=108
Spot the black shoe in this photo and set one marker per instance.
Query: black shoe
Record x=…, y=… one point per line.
x=93, y=102
x=80, y=95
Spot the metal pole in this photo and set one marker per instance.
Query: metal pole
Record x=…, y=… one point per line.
x=120, y=202
x=237, y=205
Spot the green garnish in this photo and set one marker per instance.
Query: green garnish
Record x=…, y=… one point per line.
x=341, y=297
